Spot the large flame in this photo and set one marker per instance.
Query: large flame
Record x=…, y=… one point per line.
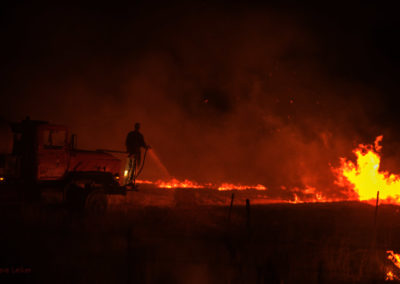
x=366, y=179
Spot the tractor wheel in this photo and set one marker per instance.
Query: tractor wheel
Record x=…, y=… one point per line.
x=96, y=203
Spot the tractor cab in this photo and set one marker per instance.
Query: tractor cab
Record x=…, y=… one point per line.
x=39, y=151
x=52, y=151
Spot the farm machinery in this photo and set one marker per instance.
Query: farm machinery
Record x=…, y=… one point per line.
x=40, y=161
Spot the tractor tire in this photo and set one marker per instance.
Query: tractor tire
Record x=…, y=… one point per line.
x=96, y=203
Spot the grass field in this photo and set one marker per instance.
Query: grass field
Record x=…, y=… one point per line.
x=275, y=243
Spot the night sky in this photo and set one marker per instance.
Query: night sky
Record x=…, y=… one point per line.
x=237, y=91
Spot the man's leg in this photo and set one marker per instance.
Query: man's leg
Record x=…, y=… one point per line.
x=130, y=169
x=138, y=160
x=136, y=166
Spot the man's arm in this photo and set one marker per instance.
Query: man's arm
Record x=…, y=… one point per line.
x=143, y=143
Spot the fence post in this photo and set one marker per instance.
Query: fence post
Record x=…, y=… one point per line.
x=248, y=215
x=230, y=208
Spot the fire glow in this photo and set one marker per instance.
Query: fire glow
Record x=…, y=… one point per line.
x=395, y=260
x=365, y=178
x=174, y=183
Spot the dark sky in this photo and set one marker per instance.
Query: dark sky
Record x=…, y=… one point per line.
x=353, y=42
x=251, y=91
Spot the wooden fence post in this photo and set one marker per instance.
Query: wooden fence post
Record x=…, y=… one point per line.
x=248, y=215
x=230, y=208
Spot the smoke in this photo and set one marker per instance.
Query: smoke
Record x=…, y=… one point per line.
x=222, y=95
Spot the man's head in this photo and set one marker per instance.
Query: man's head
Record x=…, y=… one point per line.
x=137, y=126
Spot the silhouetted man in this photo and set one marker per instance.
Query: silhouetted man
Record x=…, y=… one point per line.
x=134, y=143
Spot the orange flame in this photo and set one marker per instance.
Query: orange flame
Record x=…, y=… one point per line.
x=365, y=178
x=309, y=195
x=395, y=259
x=229, y=186
x=175, y=183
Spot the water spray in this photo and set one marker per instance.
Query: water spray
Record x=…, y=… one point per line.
x=135, y=175
x=155, y=157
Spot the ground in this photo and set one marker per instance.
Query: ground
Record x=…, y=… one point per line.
x=178, y=242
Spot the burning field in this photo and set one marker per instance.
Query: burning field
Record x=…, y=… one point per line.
x=361, y=180
x=274, y=141
x=298, y=235
x=189, y=232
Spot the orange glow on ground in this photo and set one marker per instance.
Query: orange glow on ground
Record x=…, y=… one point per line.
x=229, y=186
x=363, y=179
x=175, y=183
x=310, y=194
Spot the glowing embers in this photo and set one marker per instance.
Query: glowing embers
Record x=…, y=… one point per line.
x=307, y=195
x=365, y=178
x=395, y=260
x=174, y=183
x=229, y=186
